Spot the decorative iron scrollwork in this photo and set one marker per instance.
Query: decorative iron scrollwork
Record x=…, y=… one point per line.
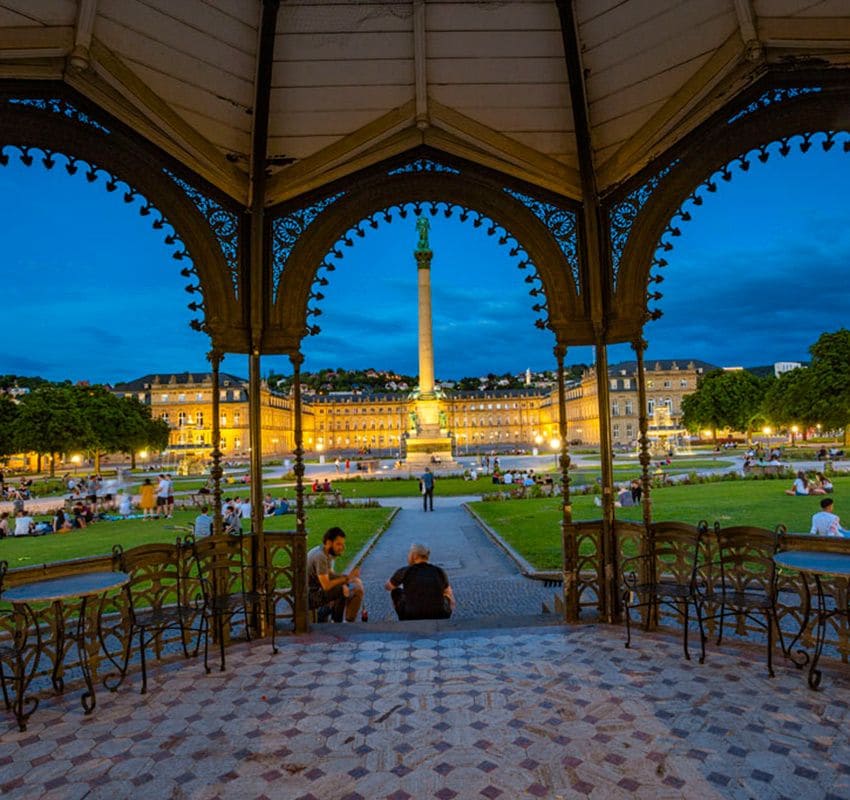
x=622, y=216
x=561, y=223
x=224, y=225
x=56, y=105
x=286, y=232
x=772, y=97
x=448, y=210
x=424, y=165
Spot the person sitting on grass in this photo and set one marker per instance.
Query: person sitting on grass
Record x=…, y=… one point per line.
x=825, y=522
x=24, y=524
x=203, y=523
x=61, y=523
x=800, y=487
x=233, y=521
x=824, y=483
x=420, y=590
x=125, y=504
x=4, y=524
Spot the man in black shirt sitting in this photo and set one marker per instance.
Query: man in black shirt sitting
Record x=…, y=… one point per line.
x=421, y=590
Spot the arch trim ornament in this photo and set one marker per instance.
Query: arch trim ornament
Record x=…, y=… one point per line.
x=801, y=116
x=539, y=231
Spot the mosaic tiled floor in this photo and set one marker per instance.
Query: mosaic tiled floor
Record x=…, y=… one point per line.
x=537, y=713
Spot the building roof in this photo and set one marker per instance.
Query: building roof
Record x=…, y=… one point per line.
x=664, y=364
x=355, y=81
x=163, y=379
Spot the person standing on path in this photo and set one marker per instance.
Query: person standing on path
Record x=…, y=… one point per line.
x=427, y=482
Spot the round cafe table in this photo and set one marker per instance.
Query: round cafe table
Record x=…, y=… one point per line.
x=57, y=591
x=816, y=565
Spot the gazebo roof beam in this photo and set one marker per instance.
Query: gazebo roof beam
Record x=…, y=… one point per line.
x=86, y=11
x=535, y=165
x=749, y=34
x=259, y=157
x=341, y=157
x=420, y=63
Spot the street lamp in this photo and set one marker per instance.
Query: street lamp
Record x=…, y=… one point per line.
x=794, y=431
x=555, y=444
x=767, y=431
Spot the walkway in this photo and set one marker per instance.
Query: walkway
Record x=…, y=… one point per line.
x=486, y=583
x=542, y=713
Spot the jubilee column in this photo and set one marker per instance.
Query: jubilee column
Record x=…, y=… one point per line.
x=423, y=257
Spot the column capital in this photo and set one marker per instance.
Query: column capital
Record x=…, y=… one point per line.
x=423, y=258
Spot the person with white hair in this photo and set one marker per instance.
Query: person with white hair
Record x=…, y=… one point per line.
x=420, y=590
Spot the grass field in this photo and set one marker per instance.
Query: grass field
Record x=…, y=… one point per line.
x=532, y=527
x=360, y=524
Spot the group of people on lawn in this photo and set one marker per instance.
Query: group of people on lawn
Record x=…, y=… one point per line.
x=804, y=485
x=419, y=590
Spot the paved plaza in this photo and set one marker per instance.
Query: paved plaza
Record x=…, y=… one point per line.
x=499, y=702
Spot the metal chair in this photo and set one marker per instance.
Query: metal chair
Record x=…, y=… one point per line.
x=746, y=585
x=667, y=575
x=17, y=628
x=164, y=593
x=232, y=587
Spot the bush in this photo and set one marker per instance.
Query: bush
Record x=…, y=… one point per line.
x=47, y=487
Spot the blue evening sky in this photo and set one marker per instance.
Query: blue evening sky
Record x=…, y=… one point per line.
x=92, y=293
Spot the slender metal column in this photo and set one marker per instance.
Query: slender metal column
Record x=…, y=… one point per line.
x=214, y=357
x=255, y=433
x=608, y=592
x=639, y=345
x=568, y=533
x=300, y=588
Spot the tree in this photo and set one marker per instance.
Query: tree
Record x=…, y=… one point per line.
x=8, y=426
x=788, y=400
x=829, y=381
x=725, y=399
x=50, y=421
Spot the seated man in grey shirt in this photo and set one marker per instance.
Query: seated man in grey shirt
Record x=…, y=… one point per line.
x=331, y=593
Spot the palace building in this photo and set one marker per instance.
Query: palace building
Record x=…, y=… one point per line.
x=475, y=421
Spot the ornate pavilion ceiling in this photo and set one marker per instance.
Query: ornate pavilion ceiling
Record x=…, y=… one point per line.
x=355, y=82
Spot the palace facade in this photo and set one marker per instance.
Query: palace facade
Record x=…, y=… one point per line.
x=477, y=421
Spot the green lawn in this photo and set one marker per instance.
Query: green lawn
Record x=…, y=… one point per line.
x=532, y=526
x=360, y=524
x=364, y=488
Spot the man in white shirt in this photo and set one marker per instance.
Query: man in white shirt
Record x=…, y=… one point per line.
x=825, y=522
x=24, y=524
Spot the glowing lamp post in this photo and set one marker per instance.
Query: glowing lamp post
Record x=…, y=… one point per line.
x=794, y=431
x=555, y=444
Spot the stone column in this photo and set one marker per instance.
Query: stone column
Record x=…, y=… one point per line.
x=426, y=338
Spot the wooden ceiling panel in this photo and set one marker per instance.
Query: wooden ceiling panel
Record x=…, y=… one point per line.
x=497, y=70
x=345, y=98
x=618, y=129
x=182, y=95
x=610, y=41
x=299, y=146
x=329, y=17
x=634, y=97
x=372, y=46
x=321, y=123
x=495, y=96
x=226, y=137
x=318, y=74
x=155, y=56
x=141, y=22
x=490, y=44
x=238, y=32
x=524, y=15
x=40, y=12
x=801, y=8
